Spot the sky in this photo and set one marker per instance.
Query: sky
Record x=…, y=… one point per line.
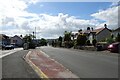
x=51, y=19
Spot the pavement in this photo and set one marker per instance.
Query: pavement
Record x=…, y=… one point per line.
x=46, y=67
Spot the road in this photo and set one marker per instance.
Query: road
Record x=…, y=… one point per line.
x=14, y=66
x=86, y=64
x=4, y=53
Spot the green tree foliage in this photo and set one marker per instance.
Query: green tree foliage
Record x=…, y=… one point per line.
x=94, y=41
x=118, y=38
x=27, y=38
x=60, y=41
x=67, y=36
x=67, y=39
x=81, y=39
x=53, y=43
x=88, y=42
x=60, y=38
x=43, y=42
x=110, y=39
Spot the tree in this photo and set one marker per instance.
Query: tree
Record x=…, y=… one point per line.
x=88, y=42
x=110, y=39
x=94, y=41
x=81, y=39
x=28, y=39
x=60, y=41
x=53, y=43
x=60, y=38
x=67, y=36
x=43, y=42
x=118, y=38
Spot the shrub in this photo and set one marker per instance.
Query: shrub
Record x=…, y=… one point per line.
x=118, y=38
x=88, y=42
x=94, y=41
x=81, y=39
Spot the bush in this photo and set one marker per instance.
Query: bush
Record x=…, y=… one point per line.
x=110, y=40
x=81, y=39
x=94, y=41
x=118, y=38
x=43, y=42
x=32, y=45
x=88, y=42
x=68, y=44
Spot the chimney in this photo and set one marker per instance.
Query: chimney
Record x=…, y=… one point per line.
x=92, y=28
x=88, y=28
x=20, y=35
x=105, y=25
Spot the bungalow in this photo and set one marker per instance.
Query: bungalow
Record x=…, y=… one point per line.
x=17, y=40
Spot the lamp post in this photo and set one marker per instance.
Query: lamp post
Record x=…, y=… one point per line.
x=33, y=35
x=35, y=32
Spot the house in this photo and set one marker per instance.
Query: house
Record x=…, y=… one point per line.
x=100, y=34
x=116, y=31
x=4, y=39
x=17, y=40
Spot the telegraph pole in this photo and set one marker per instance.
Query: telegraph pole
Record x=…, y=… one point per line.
x=35, y=33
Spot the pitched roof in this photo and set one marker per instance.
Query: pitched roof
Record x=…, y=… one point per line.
x=17, y=36
x=97, y=31
x=3, y=36
x=118, y=29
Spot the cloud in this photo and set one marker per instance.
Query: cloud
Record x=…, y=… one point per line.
x=47, y=26
x=109, y=16
x=115, y=4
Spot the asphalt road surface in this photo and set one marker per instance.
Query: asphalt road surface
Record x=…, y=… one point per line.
x=14, y=66
x=86, y=64
x=4, y=53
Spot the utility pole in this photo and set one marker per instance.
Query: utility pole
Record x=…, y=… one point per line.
x=33, y=35
x=35, y=32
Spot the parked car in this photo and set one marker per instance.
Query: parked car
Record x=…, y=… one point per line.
x=7, y=47
x=114, y=47
x=2, y=46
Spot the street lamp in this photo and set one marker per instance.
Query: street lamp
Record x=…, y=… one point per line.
x=33, y=34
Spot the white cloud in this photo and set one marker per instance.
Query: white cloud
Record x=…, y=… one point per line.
x=115, y=4
x=47, y=26
x=110, y=16
x=31, y=1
